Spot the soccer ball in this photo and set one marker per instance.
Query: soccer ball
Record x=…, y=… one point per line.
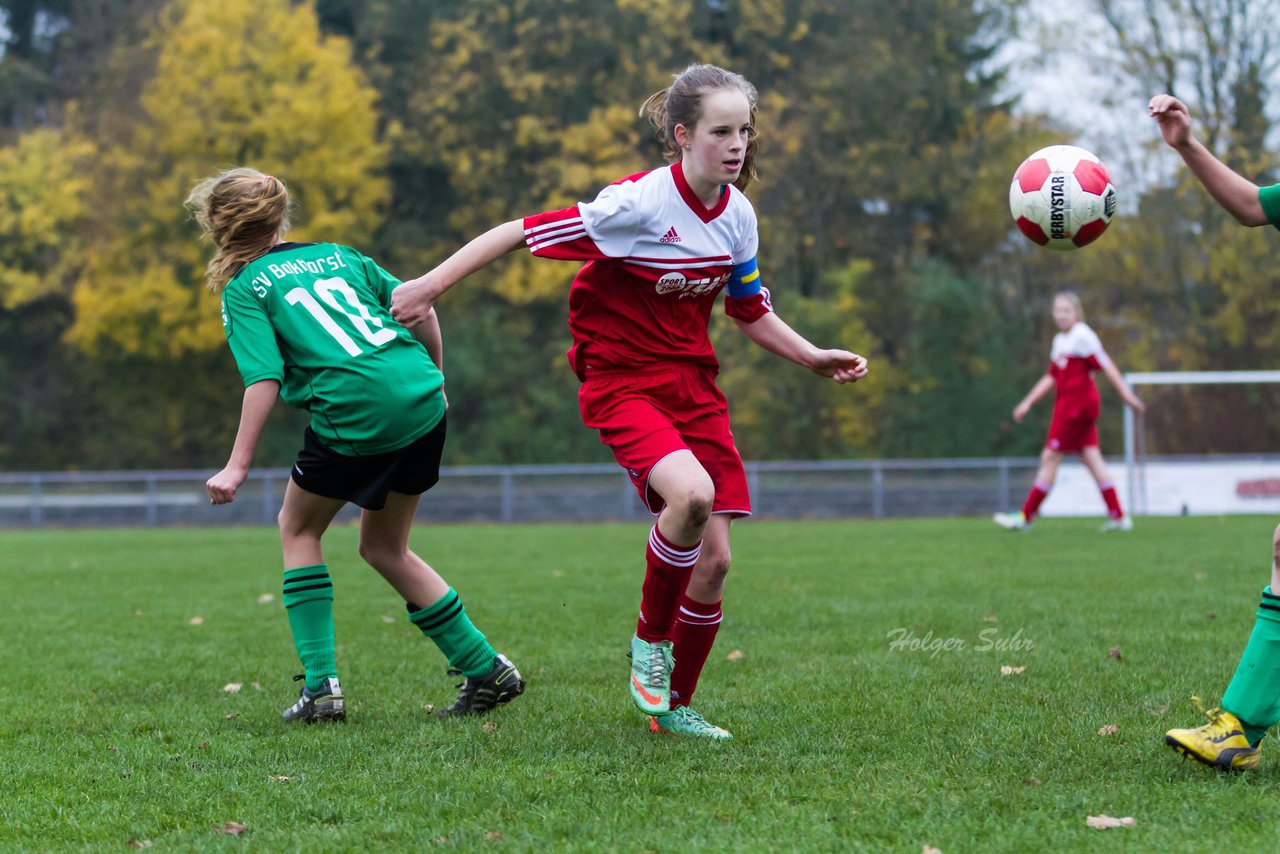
x=1062, y=197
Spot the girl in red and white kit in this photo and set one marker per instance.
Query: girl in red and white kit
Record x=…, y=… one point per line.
x=1076, y=355
x=659, y=247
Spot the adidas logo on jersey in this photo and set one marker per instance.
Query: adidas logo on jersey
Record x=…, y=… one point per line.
x=670, y=236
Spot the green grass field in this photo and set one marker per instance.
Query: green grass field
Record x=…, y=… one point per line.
x=116, y=727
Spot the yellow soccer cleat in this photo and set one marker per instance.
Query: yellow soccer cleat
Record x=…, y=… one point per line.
x=1221, y=743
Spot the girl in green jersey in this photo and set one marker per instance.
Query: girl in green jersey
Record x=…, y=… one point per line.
x=1230, y=740
x=311, y=323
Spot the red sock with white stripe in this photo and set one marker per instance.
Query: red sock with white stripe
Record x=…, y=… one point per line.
x=694, y=635
x=1039, y=491
x=667, y=571
x=1108, y=490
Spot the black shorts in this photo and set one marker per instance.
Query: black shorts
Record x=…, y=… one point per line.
x=365, y=481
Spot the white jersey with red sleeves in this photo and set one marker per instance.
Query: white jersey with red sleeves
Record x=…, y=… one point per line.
x=1075, y=355
x=657, y=258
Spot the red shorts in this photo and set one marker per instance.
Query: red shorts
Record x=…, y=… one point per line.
x=645, y=415
x=1072, y=435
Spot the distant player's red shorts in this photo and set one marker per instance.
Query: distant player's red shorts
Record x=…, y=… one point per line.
x=1072, y=435
x=648, y=414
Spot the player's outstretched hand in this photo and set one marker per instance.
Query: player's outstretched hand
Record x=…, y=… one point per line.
x=223, y=485
x=411, y=301
x=1020, y=411
x=840, y=365
x=1173, y=117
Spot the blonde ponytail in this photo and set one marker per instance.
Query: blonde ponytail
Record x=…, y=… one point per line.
x=245, y=212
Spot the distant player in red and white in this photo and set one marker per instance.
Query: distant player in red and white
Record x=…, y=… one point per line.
x=659, y=248
x=1076, y=356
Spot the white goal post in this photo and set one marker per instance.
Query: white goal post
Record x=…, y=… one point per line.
x=1133, y=440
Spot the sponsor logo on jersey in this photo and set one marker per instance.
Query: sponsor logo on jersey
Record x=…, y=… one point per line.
x=670, y=283
x=678, y=283
x=670, y=236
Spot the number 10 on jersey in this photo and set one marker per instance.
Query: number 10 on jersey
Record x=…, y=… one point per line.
x=357, y=312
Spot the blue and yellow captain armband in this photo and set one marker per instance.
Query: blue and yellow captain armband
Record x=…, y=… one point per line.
x=744, y=280
x=1269, y=197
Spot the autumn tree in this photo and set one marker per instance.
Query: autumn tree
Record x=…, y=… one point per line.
x=222, y=83
x=236, y=82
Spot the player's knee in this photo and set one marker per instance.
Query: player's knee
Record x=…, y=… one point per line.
x=290, y=531
x=714, y=568
x=694, y=504
x=698, y=508
x=374, y=554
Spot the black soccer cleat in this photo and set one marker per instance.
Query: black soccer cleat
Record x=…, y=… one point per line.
x=480, y=694
x=327, y=704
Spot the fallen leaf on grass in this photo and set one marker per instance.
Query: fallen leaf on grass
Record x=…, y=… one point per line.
x=1006, y=670
x=232, y=687
x=929, y=849
x=137, y=613
x=556, y=573
x=139, y=843
x=989, y=618
x=387, y=619
x=1199, y=576
x=489, y=726
x=1105, y=822
x=111, y=748
x=257, y=686
x=280, y=779
x=196, y=621
x=736, y=655
x=231, y=715
x=231, y=828
x=1031, y=781
x=1155, y=713
x=493, y=836
x=1115, y=653
x=429, y=706
x=204, y=745
x=1109, y=729
x=265, y=598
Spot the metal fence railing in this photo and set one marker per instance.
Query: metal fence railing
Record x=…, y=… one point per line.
x=574, y=493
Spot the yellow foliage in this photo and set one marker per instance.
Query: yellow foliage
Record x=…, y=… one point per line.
x=43, y=187
x=237, y=82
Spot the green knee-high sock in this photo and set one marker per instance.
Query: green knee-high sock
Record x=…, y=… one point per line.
x=448, y=626
x=1254, y=693
x=308, y=599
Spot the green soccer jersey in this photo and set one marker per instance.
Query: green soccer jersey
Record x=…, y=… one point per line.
x=1269, y=197
x=316, y=317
